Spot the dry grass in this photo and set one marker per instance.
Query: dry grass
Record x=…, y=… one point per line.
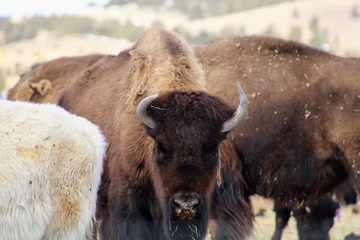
x=333, y=15
x=19, y=56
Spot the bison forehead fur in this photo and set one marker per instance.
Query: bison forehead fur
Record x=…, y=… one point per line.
x=188, y=107
x=188, y=134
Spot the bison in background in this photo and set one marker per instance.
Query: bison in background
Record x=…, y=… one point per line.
x=164, y=131
x=50, y=169
x=301, y=137
x=44, y=82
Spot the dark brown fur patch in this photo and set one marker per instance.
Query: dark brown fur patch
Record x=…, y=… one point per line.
x=174, y=47
x=190, y=106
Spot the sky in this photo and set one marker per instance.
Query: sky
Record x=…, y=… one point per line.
x=43, y=7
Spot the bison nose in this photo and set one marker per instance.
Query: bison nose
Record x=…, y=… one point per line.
x=186, y=204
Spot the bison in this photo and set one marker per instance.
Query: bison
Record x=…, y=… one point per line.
x=50, y=169
x=44, y=82
x=301, y=138
x=164, y=132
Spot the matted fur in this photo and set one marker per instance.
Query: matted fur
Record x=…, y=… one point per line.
x=50, y=167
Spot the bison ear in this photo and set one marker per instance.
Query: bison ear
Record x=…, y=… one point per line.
x=21, y=92
x=42, y=87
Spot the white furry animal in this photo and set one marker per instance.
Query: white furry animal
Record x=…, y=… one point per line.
x=50, y=169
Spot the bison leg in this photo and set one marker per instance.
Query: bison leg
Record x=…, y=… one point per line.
x=281, y=219
x=232, y=209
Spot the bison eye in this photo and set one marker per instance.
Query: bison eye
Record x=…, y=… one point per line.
x=210, y=150
x=161, y=148
x=159, y=153
x=159, y=156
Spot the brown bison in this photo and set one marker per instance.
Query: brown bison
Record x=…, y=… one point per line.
x=44, y=82
x=301, y=138
x=164, y=131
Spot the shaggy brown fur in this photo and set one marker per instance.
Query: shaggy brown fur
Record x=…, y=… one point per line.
x=301, y=137
x=44, y=82
x=147, y=167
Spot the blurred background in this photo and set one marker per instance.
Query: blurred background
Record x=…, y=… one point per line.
x=38, y=30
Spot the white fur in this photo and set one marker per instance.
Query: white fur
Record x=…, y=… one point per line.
x=49, y=161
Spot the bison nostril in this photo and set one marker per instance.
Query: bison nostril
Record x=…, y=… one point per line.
x=186, y=202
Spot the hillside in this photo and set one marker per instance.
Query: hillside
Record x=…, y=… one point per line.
x=310, y=21
x=332, y=25
x=333, y=16
x=17, y=57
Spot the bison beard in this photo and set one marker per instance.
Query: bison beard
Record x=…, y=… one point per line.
x=178, y=229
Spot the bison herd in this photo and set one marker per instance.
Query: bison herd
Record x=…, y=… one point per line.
x=166, y=140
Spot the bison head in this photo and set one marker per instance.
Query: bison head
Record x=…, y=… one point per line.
x=315, y=221
x=187, y=128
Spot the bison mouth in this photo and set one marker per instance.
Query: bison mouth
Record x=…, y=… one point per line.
x=185, y=211
x=182, y=221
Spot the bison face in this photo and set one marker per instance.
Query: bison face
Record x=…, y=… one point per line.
x=185, y=164
x=187, y=128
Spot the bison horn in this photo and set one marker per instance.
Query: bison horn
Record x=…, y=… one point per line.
x=141, y=111
x=239, y=114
